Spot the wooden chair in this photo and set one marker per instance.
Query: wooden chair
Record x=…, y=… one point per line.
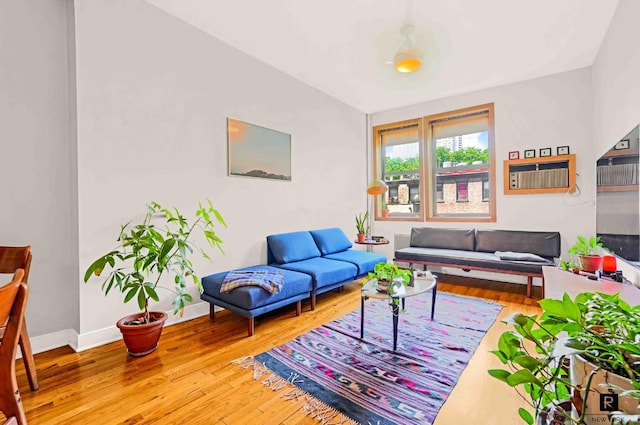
x=11, y=259
x=13, y=301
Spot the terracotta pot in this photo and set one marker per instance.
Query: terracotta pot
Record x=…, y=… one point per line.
x=142, y=339
x=590, y=263
x=362, y=237
x=385, y=212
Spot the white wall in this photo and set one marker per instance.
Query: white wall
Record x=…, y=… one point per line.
x=36, y=153
x=616, y=85
x=153, y=97
x=545, y=112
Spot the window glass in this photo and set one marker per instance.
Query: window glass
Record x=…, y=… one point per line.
x=397, y=158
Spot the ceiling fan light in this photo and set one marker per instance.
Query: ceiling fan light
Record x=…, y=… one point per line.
x=407, y=61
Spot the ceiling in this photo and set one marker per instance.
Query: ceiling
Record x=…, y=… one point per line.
x=344, y=47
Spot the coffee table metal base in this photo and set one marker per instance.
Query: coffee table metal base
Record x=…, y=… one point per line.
x=394, y=303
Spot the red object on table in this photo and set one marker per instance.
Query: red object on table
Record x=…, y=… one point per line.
x=609, y=264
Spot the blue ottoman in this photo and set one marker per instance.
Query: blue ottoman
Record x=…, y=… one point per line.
x=252, y=301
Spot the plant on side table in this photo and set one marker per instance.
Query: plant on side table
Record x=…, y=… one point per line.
x=576, y=350
x=160, y=245
x=589, y=252
x=361, y=226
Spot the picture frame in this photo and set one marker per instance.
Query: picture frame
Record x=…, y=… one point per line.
x=622, y=144
x=562, y=150
x=545, y=152
x=258, y=152
x=530, y=153
x=514, y=155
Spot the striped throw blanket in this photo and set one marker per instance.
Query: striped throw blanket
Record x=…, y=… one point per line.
x=270, y=280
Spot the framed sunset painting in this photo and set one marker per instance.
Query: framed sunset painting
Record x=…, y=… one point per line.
x=260, y=152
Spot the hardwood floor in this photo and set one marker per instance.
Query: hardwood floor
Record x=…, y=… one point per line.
x=189, y=379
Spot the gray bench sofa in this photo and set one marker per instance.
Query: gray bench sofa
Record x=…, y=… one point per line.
x=503, y=251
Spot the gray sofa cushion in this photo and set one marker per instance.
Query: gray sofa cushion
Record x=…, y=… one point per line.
x=545, y=244
x=432, y=237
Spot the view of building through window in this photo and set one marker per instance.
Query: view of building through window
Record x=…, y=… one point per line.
x=399, y=150
x=462, y=174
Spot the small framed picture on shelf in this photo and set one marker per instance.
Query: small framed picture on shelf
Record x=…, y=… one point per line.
x=545, y=152
x=514, y=155
x=562, y=150
x=530, y=153
x=622, y=144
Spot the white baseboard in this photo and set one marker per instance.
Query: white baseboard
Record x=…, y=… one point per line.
x=85, y=341
x=53, y=340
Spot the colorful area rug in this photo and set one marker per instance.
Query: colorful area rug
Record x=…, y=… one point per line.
x=345, y=378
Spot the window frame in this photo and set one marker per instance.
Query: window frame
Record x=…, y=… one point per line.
x=429, y=166
x=378, y=171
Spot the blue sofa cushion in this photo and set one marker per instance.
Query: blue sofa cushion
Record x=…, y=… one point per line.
x=293, y=246
x=251, y=297
x=324, y=271
x=365, y=261
x=331, y=240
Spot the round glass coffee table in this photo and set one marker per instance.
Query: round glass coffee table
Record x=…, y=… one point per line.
x=420, y=286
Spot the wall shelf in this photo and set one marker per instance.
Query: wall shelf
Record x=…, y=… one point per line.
x=550, y=174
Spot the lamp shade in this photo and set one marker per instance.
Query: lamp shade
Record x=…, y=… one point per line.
x=407, y=61
x=377, y=187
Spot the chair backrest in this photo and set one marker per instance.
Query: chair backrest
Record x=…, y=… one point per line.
x=13, y=300
x=15, y=257
x=12, y=304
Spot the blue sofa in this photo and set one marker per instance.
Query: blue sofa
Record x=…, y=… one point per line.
x=312, y=262
x=324, y=254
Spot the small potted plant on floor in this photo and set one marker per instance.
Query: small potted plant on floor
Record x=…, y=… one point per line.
x=146, y=252
x=575, y=351
x=361, y=226
x=589, y=252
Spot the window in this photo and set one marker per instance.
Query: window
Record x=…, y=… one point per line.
x=444, y=173
x=460, y=149
x=397, y=152
x=486, y=194
x=461, y=192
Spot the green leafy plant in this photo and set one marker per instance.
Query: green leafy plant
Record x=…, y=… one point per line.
x=361, y=223
x=584, y=246
x=148, y=251
x=603, y=329
x=388, y=272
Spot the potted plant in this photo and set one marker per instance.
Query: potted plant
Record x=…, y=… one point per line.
x=589, y=252
x=544, y=355
x=384, y=211
x=159, y=246
x=362, y=226
x=390, y=277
